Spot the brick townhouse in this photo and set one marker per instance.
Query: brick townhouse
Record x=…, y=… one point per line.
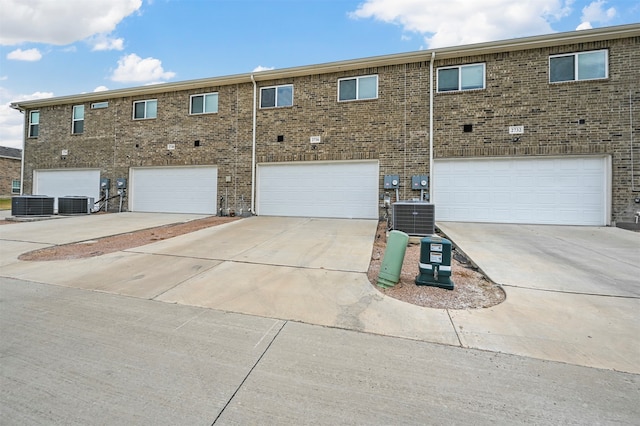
x=531, y=130
x=10, y=165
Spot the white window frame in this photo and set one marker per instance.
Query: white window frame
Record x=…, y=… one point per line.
x=15, y=186
x=358, y=79
x=204, y=103
x=576, y=67
x=75, y=120
x=146, y=109
x=460, y=82
x=276, y=102
x=33, y=125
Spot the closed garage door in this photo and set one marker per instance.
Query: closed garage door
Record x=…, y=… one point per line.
x=62, y=183
x=340, y=189
x=174, y=189
x=564, y=191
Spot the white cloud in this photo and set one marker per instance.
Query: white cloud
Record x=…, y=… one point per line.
x=133, y=69
x=595, y=12
x=104, y=42
x=101, y=89
x=584, y=26
x=12, y=121
x=25, y=55
x=261, y=68
x=60, y=22
x=457, y=22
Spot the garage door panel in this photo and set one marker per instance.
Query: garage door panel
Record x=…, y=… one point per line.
x=568, y=190
x=174, y=189
x=318, y=189
x=69, y=182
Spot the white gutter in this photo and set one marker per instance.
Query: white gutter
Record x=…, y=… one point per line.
x=253, y=149
x=433, y=57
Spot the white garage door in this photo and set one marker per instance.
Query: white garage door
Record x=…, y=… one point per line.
x=340, y=189
x=174, y=189
x=563, y=191
x=63, y=183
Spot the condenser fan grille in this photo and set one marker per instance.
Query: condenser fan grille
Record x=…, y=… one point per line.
x=414, y=217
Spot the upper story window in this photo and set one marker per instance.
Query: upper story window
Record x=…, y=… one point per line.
x=15, y=186
x=34, y=123
x=78, y=119
x=204, y=104
x=463, y=77
x=578, y=66
x=145, y=109
x=276, y=96
x=358, y=88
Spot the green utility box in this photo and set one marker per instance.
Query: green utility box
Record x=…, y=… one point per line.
x=435, y=262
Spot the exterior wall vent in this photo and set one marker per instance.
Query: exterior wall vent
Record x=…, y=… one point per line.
x=414, y=217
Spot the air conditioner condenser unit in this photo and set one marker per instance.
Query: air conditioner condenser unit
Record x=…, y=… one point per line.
x=414, y=217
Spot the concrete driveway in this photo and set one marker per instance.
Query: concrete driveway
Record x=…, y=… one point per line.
x=314, y=271
x=573, y=292
x=307, y=270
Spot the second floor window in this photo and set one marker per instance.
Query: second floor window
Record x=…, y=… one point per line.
x=358, y=88
x=204, y=104
x=145, y=109
x=78, y=119
x=578, y=66
x=34, y=124
x=463, y=77
x=277, y=96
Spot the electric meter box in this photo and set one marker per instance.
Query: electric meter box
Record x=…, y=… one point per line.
x=435, y=262
x=420, y=182
x=121, y=183
x=105, y=183
x=391, y=181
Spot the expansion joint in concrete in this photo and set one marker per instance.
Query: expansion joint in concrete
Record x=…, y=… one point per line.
x=454, y=328
x=251, y=369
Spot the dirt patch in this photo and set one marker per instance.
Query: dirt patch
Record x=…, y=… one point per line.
x=123, y=241
x=471, y=288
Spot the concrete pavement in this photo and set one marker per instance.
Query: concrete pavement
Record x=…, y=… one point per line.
x=573, y=293
x=77, y=357
x=308, y=270
x=574, y=259
x=313, y=271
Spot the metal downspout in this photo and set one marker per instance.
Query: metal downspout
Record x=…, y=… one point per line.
x=253, y=150
x=24, y=145
x=431, y=174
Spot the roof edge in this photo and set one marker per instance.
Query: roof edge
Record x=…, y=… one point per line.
x=524, y=43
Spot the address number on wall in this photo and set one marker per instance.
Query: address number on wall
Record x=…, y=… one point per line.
x=516, y=130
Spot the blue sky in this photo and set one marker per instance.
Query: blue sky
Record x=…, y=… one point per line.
x=57, y=48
